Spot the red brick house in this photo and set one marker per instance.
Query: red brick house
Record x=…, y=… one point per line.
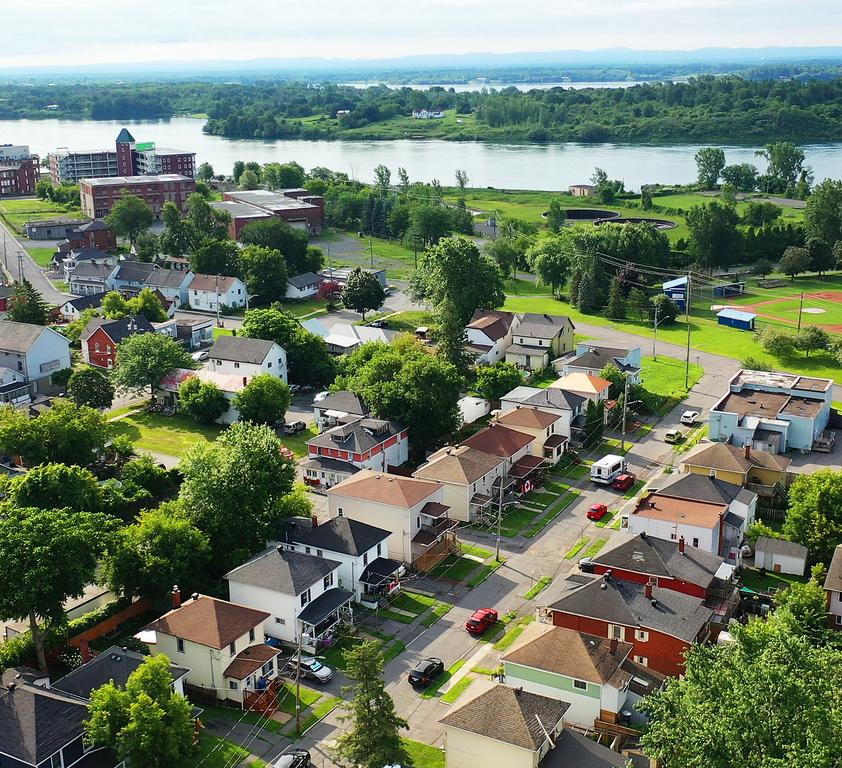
x=659, y=623
x=19, y=177
x=100, y=338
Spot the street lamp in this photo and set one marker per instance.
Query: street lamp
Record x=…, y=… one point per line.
x=303, y=637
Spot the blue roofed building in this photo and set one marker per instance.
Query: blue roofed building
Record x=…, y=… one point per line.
x=735, y=318
x=677, y=290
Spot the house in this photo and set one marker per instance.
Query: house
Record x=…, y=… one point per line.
x=241, y=356
x=34, y=351
x=582, y=190
x=90, y=278
x=131, y=276
x=592, y=358
x=72, y=308
x=660, y=624
x=676, y=290
x=710, y=514
x=299, y=593
x=340, y=275
x=543, y=426
x=336, y=406
x=568, y=405
x=69, y=262
x=93, y=234
x=358, y=442
x=414, y=512
x=758, y=471
x=489, y=334
x=231, y=385
x=304, y=285
x=170, y=283
x=735, y=318
x=523, y=461
x=472, y=480
x=220, y=642
x=100, y=338
x=51, y=229
x=774, y=412
x=360, y=549
x=210, y=293
x=591, y=387
x=593, y=674
x=780, y=556
x=194, y=332
x=44, y=728
x=833, y=589
x=540, y=339
x=344, y=338
x=115, y=665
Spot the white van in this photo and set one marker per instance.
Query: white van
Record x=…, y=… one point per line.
x=607, y=468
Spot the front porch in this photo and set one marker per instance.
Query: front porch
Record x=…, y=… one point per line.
x=321, y=616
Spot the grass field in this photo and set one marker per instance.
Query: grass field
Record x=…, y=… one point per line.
x=17, y=212
x=172, y=435
x=665, y=375
x=218, y=753
x=423, y=755
x=41, y=256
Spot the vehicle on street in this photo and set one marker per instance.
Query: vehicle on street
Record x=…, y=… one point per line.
x=480, y=621
x=673, y=436
x=688, y=418
x=607, y=468
x=597, y=511
x=623, y=482
x=295, y=758
x=293, y=428
x=313, y=669
x=200, y=356
x=586, y=565
x=321, y=396
x=425, y=671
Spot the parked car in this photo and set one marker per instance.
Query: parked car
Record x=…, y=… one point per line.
x=200, y=356
x=688, y=418
x=377, y=323
x=623, y=482
x=597, y=512
x=673, y=436
x=586, y=565
x=295, y=758
x=480, y=621
x=313, y=669
x=425, y=671
x=293, y=428
x=321, y=396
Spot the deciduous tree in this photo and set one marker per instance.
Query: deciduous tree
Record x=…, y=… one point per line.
x=50, y=485
x=709, y=163
x=795, y=261
x=494, y=381
x=715, y=240
x=823, y=213
x=776, y=342
x=143, y=359
x=280, y=236
x=264, y=400
x=549, y=259
x=217, y=257
x=90, y=386
x=363, y=292
x=130, y=216
x=556, y=215
x=203, y=400
x=264, y=271
x=814, y=514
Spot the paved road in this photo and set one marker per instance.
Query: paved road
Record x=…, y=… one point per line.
x=10, y=248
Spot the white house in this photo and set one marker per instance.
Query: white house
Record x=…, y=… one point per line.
x=360, y=549
x=592, y=358
x=231, y=385
x=304, y=285
x=540, y=339
x=780, y=556
x=833, y=588
x=569, y=406
x=427, y=114
x=240, y=356
x=221, y=643
x=172, y=284
x=34, y=351
x=72, y=308
x=412, y=510
x=299, y=593
x=489, y=334
x=206, y=292
x=90, y=278
x=85, y=256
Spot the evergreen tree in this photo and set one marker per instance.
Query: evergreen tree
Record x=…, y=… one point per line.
x=27, y=304
x=586, y=294
x=555, y=215
x=616, y=307
x=640, y=301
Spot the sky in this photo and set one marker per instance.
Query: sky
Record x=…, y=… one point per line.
x=82, y=32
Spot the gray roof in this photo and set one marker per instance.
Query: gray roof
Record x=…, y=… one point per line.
x=134, y=271
x=89, y=254
x=324, y=605
x=782, y=547
x=305, y=279
x=623, y=602
x=733, y=519
x=344, y=401
x=282, y=570
x=18, y=337
x=357, y=436
x=166, y=278
x=114, y=664
x=702, y=488
x=342, y=535
x=323, y=463
x=597, y=358
x=508, y=714
x=553, y=397
x=542, y=326
x=118, y=330
x=91, y=300
x=88, y=269
x=575, y=750
x=36, y=722
x=240, y=349
x=96, y=225
x=659, y=557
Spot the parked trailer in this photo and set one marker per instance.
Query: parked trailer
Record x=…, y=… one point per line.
x=608, y=468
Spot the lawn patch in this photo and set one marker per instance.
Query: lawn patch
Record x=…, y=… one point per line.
x=505, y=642
x=576, y=548
x=439, y=610
x=539, y=586
x=433, y=688
x=172, y=435
x=457, y=690
x=453, y=567
x=43, y=257
x=423, y=755
x=235, y=715
x=475, y=551
x=594, y=548
x=312, y=716
x=483, y=573
x=751, y=578
x=413, y=602
x=214, y=752
x=385, y=613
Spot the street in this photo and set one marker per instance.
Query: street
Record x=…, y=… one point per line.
x=15, y=258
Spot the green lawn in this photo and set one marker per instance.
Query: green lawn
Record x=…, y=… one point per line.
x=214, y=752
x=457, y=690
x=413, y=602
x=298, y=443
x=306, y=307
x=407, y=322
x=235, y=715
x=439, y=610
x=454, y=567
x=576, y=548
x=172, y=435
x=433, y=688
x=752, y=579
x=43, y=257
x=506, y=642
x=594, y=548
x=17, y=212
x=538, y=587
x=483, y=573
x=665, y=376
x=423, y=755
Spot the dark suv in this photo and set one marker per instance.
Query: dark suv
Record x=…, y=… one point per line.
x=424, y=671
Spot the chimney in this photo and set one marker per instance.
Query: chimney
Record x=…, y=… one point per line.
x=681, y=544
x=747, y=450
x=176, y=596
x=314, y=521
x=613, y=645
x=649, y=590
x=245, y=380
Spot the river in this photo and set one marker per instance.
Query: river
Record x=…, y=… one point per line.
x=509, y=166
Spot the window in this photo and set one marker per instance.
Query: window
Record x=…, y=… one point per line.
x=379, y=549
x=328, y=581
x=269, y=365
x=279, y=620
x=365, y=558
x=615, y=632
x=695, y=542
x=268, y=668
x=319, y=553
x=339, y=511
x=236, y=365
x=642, y=660
x=712, y=472
x=673, y=536
x=96, y=347
x=580, y=685
x=251, y=635
x=306, y=550
x=232, y=648
x=179, y=644
x=305, y=598
x=233, y=685
x=642, y=635
x=55, y=761
x=839, y=621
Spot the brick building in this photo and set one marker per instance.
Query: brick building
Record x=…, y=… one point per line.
x=99, y=195
x=18, y=177
x=295, y=206
x=100, y=338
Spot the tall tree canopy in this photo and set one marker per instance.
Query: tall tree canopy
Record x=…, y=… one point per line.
x=143, y=359
x=715, y=240
x=363, y=292
x=26, y=304
x=130, y=216
x=823, y=214
x=264, y=272
x=709, y=162
x=280, y=236
x=814, y=514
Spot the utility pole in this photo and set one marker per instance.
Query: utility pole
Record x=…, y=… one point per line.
x=371, y=251
x=625, y=411
x=218, y=321
x=298, y=686
x=20, y=266
x=687, y=301
x=800, y=312
x=655, y=334
x=499, y=520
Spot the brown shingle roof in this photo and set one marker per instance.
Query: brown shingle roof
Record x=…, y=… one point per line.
x=250, y=660
x=508, y=714
x=685, y=511
x=731, y=458
x=572, y=654
x=534, y=418
x=208, y=283
x=499, y=441
x=492, y=323
x=384, y=488
x=209, y=621
x=463, y=465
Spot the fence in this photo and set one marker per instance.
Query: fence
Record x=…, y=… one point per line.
x=108, y=625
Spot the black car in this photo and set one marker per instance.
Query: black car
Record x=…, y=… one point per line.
x=424, y=671
x=295, y=758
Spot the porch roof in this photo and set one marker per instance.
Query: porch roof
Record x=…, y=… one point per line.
x=525, y=466
x=319, y=609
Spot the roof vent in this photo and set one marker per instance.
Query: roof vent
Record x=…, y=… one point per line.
x=643, y=534
x=603, y=585
x=653, y=602
x=194, y=596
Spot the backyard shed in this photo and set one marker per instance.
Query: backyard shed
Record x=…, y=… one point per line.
x=779, y=556
x=724, y=290
x=735, y=318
